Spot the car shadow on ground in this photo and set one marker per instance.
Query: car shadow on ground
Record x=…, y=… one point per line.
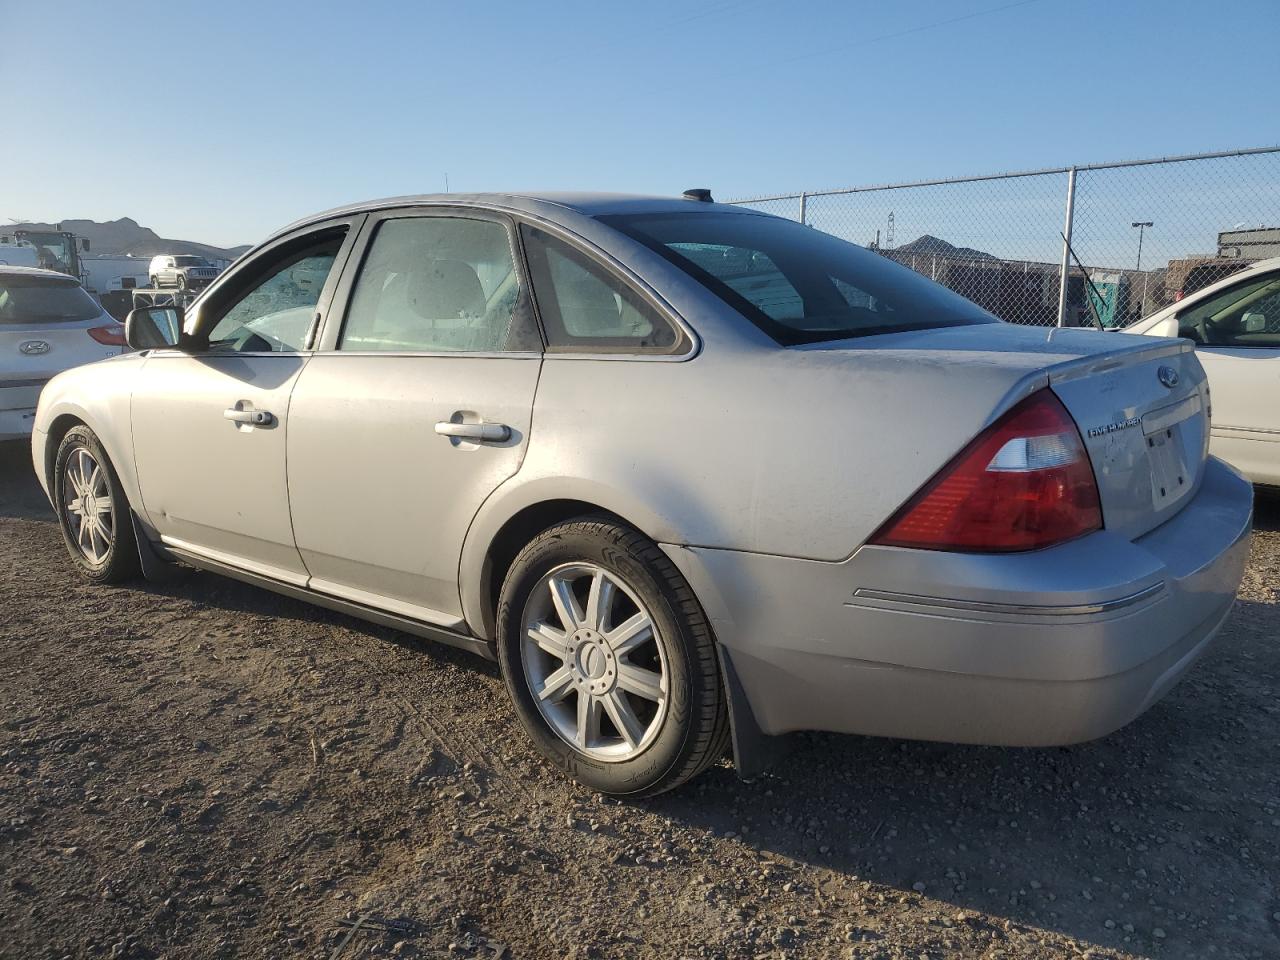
x=1152, y=827
x=1266, y=510
x=20, y=494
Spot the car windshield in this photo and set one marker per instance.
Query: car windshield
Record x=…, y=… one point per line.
x=797, y=284
x=190, y=262
x=41, y=299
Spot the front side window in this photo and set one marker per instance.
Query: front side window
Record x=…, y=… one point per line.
x=434, y=284
x=797, y=284
x=586, y=309
x=42, y=300
x=275, y=314
x=1246, y=315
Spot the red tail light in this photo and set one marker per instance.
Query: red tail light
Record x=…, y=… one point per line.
x=111, y=335
x=1024, y=483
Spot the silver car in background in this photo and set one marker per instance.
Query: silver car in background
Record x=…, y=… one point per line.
x=690, y=473
x=183, y=271
x=48, y=323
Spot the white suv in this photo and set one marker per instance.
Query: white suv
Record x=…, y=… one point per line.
x=182, y=271
x=48, y=323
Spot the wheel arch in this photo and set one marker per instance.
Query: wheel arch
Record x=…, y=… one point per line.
x=58, y=428
x=514, y=515
x=506, y=523
x=108, y=419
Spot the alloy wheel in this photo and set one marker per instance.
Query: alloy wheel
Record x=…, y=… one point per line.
x=594, y=662
x=90, y=511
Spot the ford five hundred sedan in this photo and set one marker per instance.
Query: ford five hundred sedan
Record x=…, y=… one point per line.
x=693, y=475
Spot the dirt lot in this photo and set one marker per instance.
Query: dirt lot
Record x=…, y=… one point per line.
x=207, y=770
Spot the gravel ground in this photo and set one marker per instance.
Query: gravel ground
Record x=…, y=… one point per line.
x=208, y=770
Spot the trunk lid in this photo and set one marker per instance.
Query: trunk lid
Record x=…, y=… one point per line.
x=1144, y=417
x=1141, y=403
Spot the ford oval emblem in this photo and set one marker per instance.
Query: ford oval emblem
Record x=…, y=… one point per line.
x=33, y=347
x=1168, y=376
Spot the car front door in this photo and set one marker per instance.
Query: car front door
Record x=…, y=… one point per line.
x=414, y=409
x=1237, y=332
x=210, y=425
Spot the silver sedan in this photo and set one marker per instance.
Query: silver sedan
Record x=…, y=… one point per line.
x=693, y=475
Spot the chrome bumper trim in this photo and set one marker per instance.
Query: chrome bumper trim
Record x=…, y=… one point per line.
x=1019, y=609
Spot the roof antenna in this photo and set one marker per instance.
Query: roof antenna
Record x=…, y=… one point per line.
x=446, y=183
x=701, y=194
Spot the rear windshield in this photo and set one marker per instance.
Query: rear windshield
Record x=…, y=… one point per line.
x=797, y=284
x=41, y=300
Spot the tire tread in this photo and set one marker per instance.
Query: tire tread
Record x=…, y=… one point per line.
x=709, y=731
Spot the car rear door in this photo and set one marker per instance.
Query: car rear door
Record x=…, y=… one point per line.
x=210, y=426
x=415, y=408
x=1237, y=332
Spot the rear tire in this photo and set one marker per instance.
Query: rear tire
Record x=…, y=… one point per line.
x=93, y=511
x=619, y=684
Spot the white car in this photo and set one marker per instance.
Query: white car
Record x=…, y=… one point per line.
x=1235, y=324
x=48, y=323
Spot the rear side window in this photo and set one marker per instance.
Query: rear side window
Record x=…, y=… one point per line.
x=586, y=309
x=797, y=284
x=434, y=284
x=42, y=300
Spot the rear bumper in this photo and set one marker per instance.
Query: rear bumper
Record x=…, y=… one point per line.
x=1051, y=647
x=16, y=424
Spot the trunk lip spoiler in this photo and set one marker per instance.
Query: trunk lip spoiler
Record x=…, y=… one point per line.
x=1077, y=367
x=1099, y=363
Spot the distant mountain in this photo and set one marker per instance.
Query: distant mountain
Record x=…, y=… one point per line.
x=928, y=245
x=125, y=236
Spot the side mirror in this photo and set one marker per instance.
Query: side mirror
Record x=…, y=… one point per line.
x=84, y=244
x=1254, y=323
x=152, y=328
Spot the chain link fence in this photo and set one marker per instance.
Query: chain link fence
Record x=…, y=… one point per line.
x=1103, y=243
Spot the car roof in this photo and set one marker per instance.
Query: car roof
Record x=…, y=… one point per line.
x=7, y=270
x=558, y=206
x=1261, y=266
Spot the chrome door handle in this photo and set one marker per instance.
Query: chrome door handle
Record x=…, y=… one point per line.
x=492, y=432
x=259, y=418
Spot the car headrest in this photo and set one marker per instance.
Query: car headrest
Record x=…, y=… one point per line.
x=588, y=308
x=445, y=290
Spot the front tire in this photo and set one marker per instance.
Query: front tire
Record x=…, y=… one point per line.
x=93, y=510
x=609, y=660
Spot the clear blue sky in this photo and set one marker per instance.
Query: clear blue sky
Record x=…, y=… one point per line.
x=272, y=110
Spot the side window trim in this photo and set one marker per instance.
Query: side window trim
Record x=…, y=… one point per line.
x=689, y=338
x=248, y=265
x=330, y=334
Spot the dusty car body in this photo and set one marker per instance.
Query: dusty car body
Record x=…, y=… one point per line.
x=893, y=515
